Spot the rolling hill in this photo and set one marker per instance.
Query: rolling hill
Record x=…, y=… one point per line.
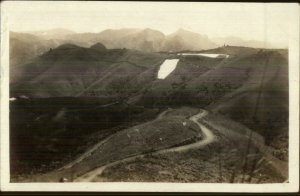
x=70, y=70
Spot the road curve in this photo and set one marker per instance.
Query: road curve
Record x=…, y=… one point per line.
x=207, y=138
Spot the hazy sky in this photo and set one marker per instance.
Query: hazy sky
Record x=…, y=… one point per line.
x=269, y=22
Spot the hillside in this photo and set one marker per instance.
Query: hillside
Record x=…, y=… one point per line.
x=172, y=148
x=261, y=102
x=72, y=94
x=70, y=70
x=256, y=88
x=61, y=128
x=228, y=159
x=251, y=88
x=157, y=134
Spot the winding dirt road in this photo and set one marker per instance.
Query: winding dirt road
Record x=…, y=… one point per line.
x=207, y=138
x=98, y=145
x=205, y=133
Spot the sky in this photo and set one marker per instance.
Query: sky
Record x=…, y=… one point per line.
x=250, y=21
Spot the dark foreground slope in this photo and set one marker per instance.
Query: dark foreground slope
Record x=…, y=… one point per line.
x=47, y=133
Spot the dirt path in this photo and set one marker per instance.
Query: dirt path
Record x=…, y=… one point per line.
x=206, y=134
x=207, y=138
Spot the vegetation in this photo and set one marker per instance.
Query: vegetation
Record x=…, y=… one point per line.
x=57, y=129
x=220, y=162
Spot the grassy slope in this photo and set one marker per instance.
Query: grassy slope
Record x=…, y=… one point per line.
x=231, y=87
x=57, y=129
x=159, y=134
x=271, y=115
x=70, y=70
x=173, y=90
x=221, y=161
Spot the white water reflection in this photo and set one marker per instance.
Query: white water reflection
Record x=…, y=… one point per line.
x=166, y=68
x=204, y=54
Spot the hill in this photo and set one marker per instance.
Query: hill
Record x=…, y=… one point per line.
x=261, y=102
x=61, y=128
x=249, y=87
x=70, y=70
x=142, y=139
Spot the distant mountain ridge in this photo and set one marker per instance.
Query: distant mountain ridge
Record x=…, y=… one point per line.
x=118, y=38
x=148, y=40
x=25, y=46
x=58, y=33
x=187, y=40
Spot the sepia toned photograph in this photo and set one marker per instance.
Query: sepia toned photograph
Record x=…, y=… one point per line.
x=149, y=92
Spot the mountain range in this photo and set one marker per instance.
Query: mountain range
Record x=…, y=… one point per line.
x=26, y=45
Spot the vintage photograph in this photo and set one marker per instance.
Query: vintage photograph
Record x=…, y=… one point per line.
x=149, y=92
